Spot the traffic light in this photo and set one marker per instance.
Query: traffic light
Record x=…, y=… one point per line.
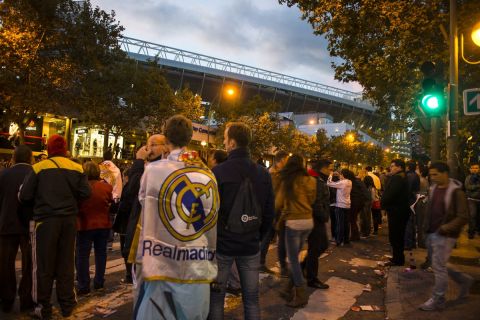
x=432, y=99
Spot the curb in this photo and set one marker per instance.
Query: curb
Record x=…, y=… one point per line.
x=393, y=304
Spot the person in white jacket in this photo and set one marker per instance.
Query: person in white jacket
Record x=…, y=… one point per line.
x=342, y=205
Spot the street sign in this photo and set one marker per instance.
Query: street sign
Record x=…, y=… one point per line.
x=471, y=101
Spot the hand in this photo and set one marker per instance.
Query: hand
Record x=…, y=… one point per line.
x=142, y=153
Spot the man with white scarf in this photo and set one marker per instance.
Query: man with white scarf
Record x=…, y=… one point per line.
x=176, y=235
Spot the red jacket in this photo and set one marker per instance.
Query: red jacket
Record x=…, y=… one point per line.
x=94, y=212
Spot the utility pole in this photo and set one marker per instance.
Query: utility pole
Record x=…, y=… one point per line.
x=452, y=114
x=435, y=139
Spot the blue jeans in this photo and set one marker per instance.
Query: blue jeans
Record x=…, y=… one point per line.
x=441, y=248
x=85, y=239
x=248, y=269
x=294, y=240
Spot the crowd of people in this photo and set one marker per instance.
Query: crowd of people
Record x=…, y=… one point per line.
x=193, y=229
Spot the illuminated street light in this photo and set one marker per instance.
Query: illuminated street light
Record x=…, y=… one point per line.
x=312, y=121
x=387, y=150
x=476, y=34
x=350, y=137
x=203, y=143
x=230, y=91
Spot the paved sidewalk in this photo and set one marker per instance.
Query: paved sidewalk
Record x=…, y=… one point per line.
x=406, y=289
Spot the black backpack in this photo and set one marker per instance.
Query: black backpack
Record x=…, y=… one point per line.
x=246, y=213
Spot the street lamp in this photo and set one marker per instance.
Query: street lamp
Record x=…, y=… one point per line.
x=229, y=92
x=350, y=137
x=475, y=35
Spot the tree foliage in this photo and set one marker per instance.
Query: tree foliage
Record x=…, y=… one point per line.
x=381, y=45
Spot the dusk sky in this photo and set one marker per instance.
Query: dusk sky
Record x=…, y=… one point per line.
x=258, y=33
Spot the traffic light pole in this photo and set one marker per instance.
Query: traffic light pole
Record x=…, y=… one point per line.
x=435, y=139
x=452, y=115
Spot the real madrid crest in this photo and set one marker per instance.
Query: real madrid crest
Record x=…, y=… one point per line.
x=188, y=203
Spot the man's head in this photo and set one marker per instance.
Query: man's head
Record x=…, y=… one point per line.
x=92, y=170
x=438, y=172
x=178, y=131
x=237, y=135
x=280, y=159
x=216, y=157
x=323, y=166
x=56, y=146
x=411, y=165
x=474, y=168
x=108, y=155
x=22, y=154
x=156, y=146
x=368, y=169
x=397, y=165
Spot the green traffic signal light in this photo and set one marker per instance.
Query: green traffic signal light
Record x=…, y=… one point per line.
x=431, y=102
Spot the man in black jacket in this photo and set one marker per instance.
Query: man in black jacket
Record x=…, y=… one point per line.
x=54, y=186
x=14, y=232
x=413, y=180
x=395, y=202
x=318, y=240
x=243, y=248
x=129, y=207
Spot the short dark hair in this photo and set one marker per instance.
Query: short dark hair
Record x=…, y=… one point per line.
x=92, y=170
x=321, y=163
x=473, y=164
x=22, y=154
x=280, y=155
x=108, y=155
x=239, y=132
x=412, y=165
x=178, y=130
x=219, y=156
x=440, y=166
x=399, y=163
x=368, y=181
x=369, y=168
x=347, y=174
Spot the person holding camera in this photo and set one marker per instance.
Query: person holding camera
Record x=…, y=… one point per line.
x=472, y=188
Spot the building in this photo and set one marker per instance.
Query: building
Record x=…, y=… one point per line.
x=310, y=123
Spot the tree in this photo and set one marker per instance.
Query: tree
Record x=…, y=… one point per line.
x=263, y=129
x=33, y=78
x=381, y=45
x=188, y=104
x=48, y=51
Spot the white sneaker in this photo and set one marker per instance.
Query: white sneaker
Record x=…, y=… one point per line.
x=433, y=304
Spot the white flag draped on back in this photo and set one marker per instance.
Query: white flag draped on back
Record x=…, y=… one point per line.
x=180, y=202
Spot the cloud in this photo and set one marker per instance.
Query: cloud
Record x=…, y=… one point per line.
x=261, y=34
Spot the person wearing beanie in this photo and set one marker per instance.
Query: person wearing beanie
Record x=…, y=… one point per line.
x=54, y=187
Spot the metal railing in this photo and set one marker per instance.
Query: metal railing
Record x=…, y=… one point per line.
x=141, y=47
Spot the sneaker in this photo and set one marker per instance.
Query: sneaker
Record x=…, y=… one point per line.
x=433, y=304
x=465, y=287
x=425, y=265
x=126, y=280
